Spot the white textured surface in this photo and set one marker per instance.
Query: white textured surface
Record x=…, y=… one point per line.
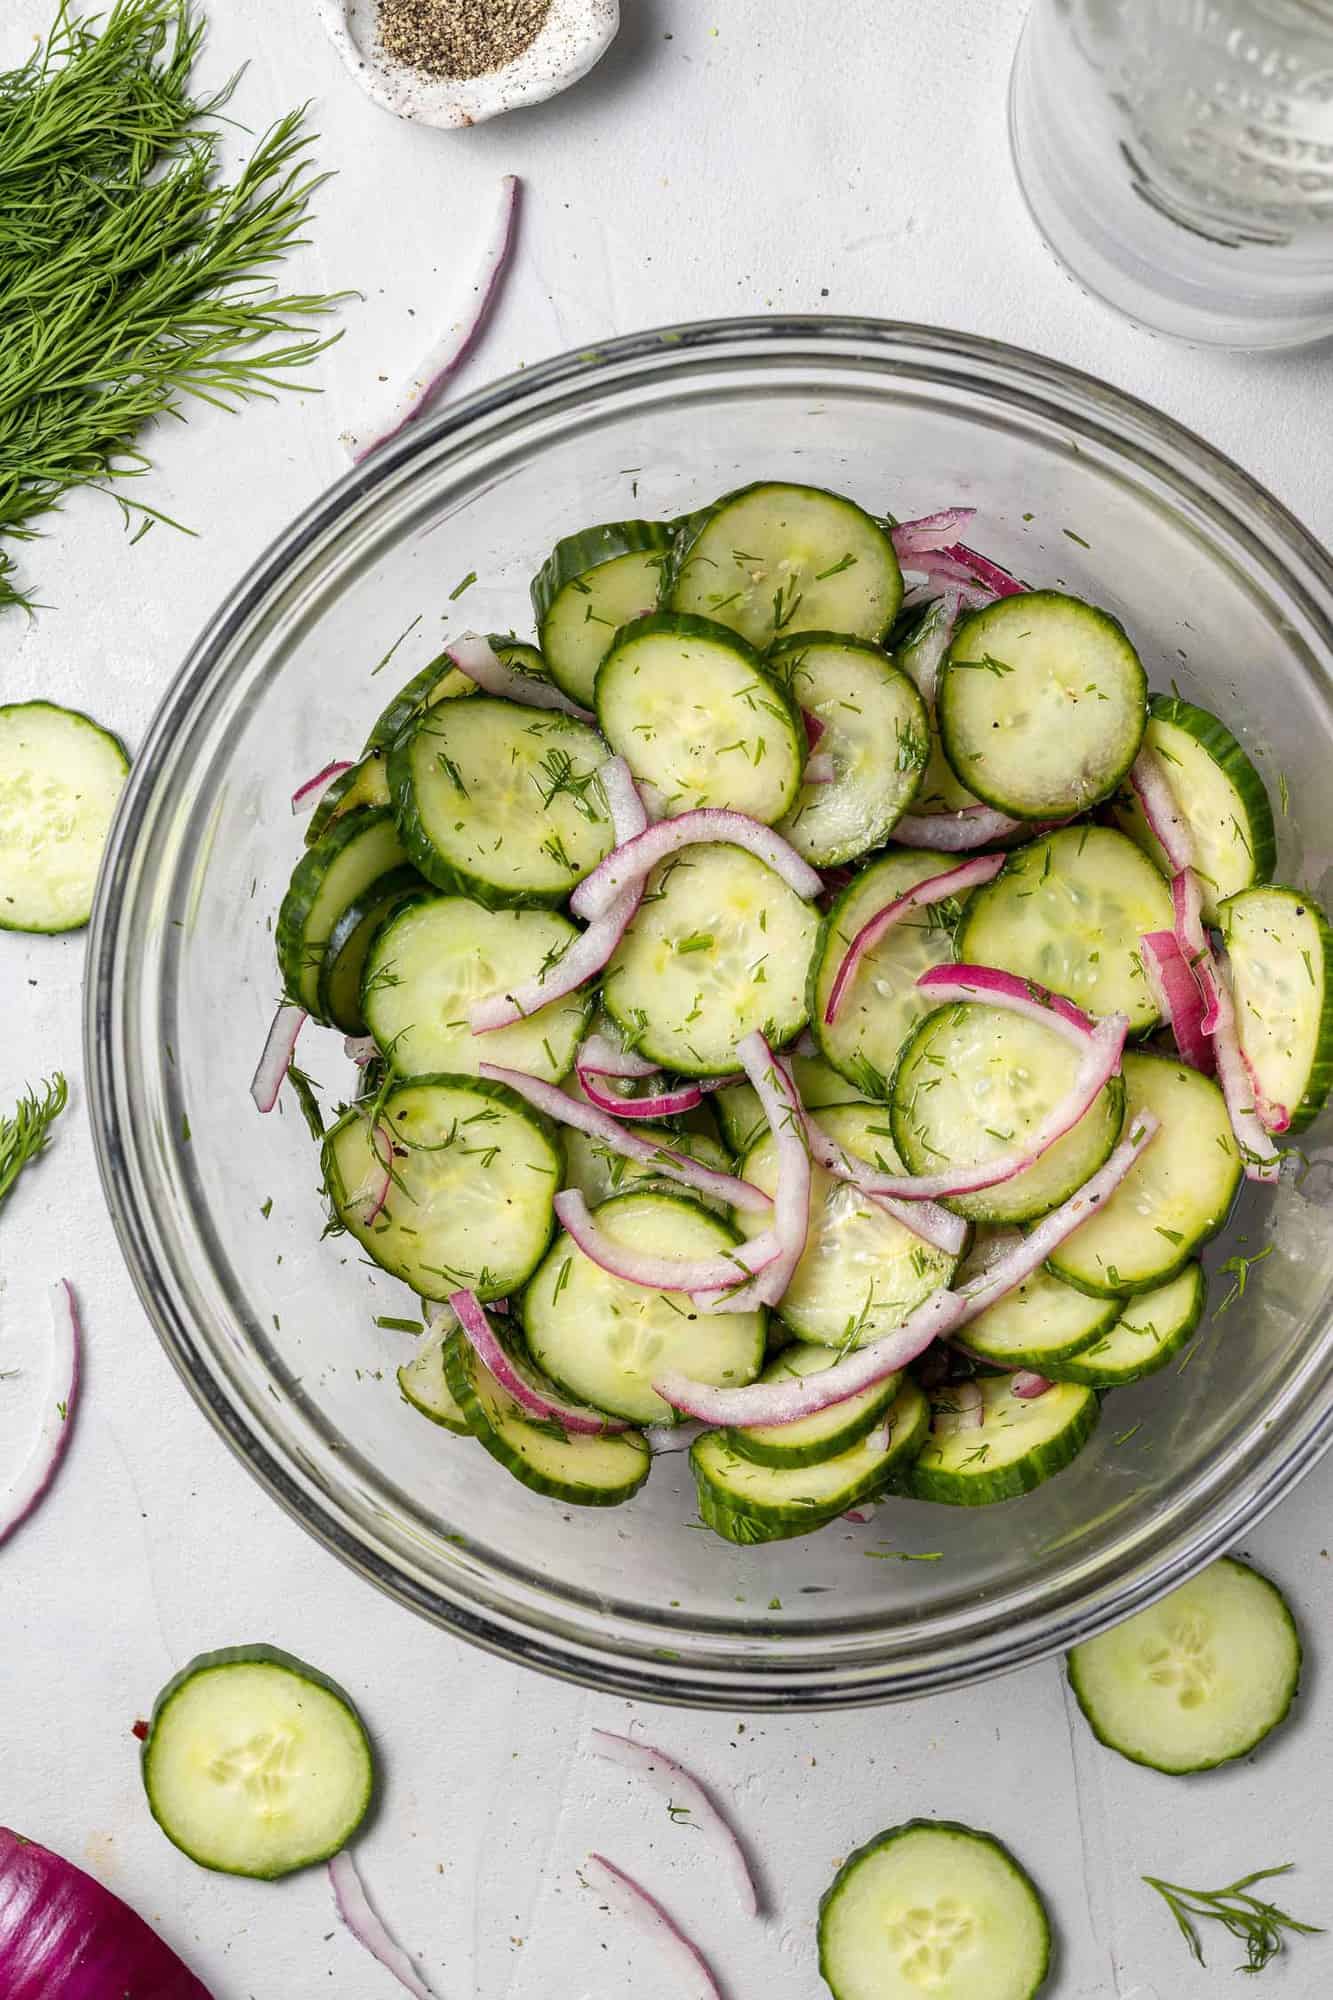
x=770, y=154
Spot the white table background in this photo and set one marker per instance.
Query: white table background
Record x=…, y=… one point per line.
x=725, y=158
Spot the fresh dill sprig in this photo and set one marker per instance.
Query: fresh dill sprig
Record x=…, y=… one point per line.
x=27, y=1133
x=1256, y=1924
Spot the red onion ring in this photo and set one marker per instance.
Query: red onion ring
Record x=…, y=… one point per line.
x=937, y=1226
x=1028, y=1385
x=1187, y=904
x=785, y=1113
x=814, y=728
x=694, y=1979
x=670, y=1103
x=1176, y=992
x=369, y=1930
x=1258, y=1154
x=684, y=1790
x=663, y=1274
x=989, y=574
x=635, y=859
x=372, y=1200
x=360, y=1049
x=279, y=1048
x=987, y=986
x=819, y=769
x=31, y=1484
x=956, y=833
x=603, y=1057
x=1167, y=822
x=493, y=1356
x=475, y=656
x=929, y=531
x=965, y=1410
x=935, y=889
x=305, y=796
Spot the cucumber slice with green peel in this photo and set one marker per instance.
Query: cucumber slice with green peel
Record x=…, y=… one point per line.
x=1153, y=1327
x=589, y=586
x=350, y=940
x=365, y=783
x=340, y=869
x=61, y=775
x=773, y=559
x=425, y=1385
x=598, y=1173
x=475, y=1173
x=932, y=1907
x=1281, y=954
x=876, y=731
x=972, y=1084
x=605, y=1340
x=437, y=957
x=1199, y=1678
x=939, y=790
x=441, y=680
x=688, y=705
x=811, y=1440
x=256, y=1764
x=1041, y=704
x=719, y=946
x=1041, y=1323
x=499, y=802
x=584, y=1470
x=1176, y=1195
x=741, y=1115
x=1219, y=794
x=746, y=1502
x=884, y=1002
x=1018, y=1444
x=862, y=1272
x=1069, y=911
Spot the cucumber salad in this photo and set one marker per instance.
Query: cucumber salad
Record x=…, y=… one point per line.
x=816, y=991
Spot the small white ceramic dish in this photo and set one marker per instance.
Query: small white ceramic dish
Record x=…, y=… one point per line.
x=576, y=34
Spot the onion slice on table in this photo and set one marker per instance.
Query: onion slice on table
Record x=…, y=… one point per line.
x=635, y=859
x=306, y=795
x=279, y=1048
x=663, y=1274
x=31, y=1484
x=476, y=657
x=693, y=1977
x=1177, y=994
x=935, y=889
x=668, y=1102
x=955, y=833
x=988, y=986
x=349, y=1894
x=490, y=1351
x=785, y=1113
x=1167, y=822
x=599, y=1055
x=683, y=1789
x=939, y=1227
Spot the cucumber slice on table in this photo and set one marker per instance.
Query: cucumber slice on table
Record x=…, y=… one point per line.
x=1175, y=1196
x=604, y=1340
x=500, y=802
x=436, y=958
x=1041, y=705
x=747, y=1502
x=350, y=939
x=1152, y=1328
x=475, y=1173
x=933, y=1908
x=1197, y=1679
x=583, y=1470
x=1069, y=911
x=884, y=1003
x=365, y=783
x=589, y=586
x=598, y=1173
x=425, y=1385
x=972, y=1083
x=1219, y=794
x=344, y=864
x=826, y=1434
x=719, y=945
x=772, y=559
x=688, y=705
x=876, y=731
x=862, y=1272
x=1042, y=1322
x=1018, y=1444
x=741, y=1115
x=61, y=775
x=1281, y=954
x=256, y=1764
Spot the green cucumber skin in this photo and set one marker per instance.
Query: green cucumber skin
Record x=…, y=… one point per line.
x=1081, y=1367
x=387, y=897
x=428, y=861
x=411, y=701
x=813, y=1454
x=333, y=802
x=302, y=890
x=1213, y=736
x=1043, y=1360
x=81, y=715
x=1316, y=1093
x=983, y=1489
x=574, y=555
x=256, y=1656
x=457, y=1374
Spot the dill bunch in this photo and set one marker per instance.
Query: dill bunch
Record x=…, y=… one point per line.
x=25, y=1135
x=129, y=278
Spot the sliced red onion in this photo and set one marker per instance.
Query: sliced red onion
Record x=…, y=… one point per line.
x=683, y=1790
x=856, y=1516
x=935, y=889
x=937, y=1226
x=1274, y=1117
x=306, y=795
x=987, y=573
x=661, y=1104
x=373, y=1196
x=1167, y=822
x=1027, y=1385
x=1018, y=1264
x=814, y=728
x=929, y=531
x=539, y=1403
x=965, y=1409
x=785, y=1113
x=33, y=1481
x=475, y=656
x=602, y=1126
x=663, y=1274
x=603, y=1057
x=349, y=1894
x=987, y=986
x=1187, y=904
x=453, y=347
x=955, y=833
x=693, y=1977
x=279, y=1049
x=819, y=769
x=1257, y=1151
x=1176, y=992
x=360, y=1049
x=929, y=654
x=635, y=859
x=947, y=566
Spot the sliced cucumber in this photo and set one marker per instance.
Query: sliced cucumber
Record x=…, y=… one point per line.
x=475, y=1173
x=772, y=559
x=589, y=586
x=499, y=802
x=1175, y=1196
x=687, y=704
x=1218, y=792
x=598, y=1173
x=349, y=941
x=939, y=790
x=1281, y=953
x=340, y=869
x=862, y=1272
x=876, y=731
x=583, y=1470
x=828, y=1433
x=1154, y=1326
x=747, y=1502
x=604, y=1340
x=441, y=680
x=741, y=1115
x=61, y=775
x=437, y=957
x=932, y=1908
x=365, y=783
x=1068, y=911
x=1041, y=705
x=1040, y=1323
x=720, y=945
x=425, y=1386
x=972, y=1084
x=1197, y=1679
x=256, y=1764
x=1018, y=1444
x=884, y=1003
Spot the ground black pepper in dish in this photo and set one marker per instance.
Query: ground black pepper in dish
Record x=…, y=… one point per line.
x=459, y=38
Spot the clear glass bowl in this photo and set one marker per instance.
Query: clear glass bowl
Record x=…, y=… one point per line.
x=273, y=1330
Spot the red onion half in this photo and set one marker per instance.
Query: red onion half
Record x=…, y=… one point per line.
x=64, y=1937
